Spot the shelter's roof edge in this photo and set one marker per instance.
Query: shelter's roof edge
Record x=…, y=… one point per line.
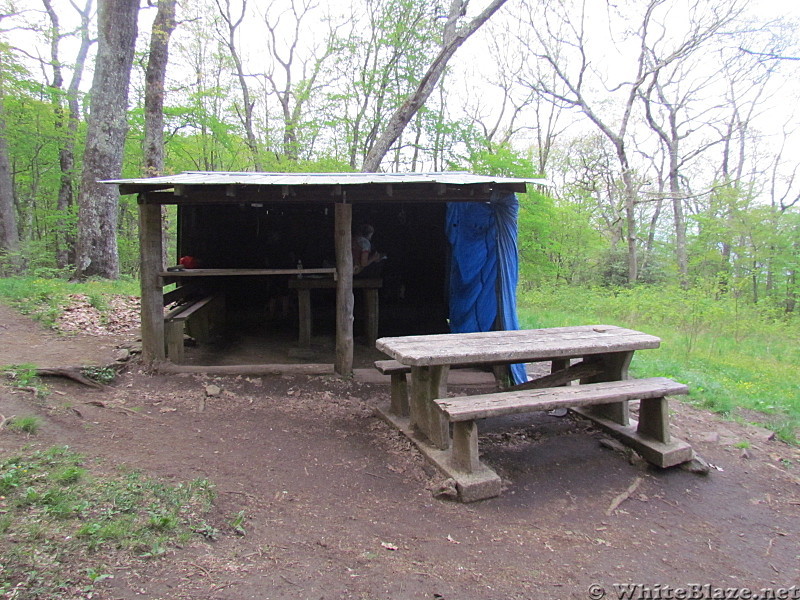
x=298, y=179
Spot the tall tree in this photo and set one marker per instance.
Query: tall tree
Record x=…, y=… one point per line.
x=9, y=233
x=155, y=75
x=294, y=81
x=562, y=37
x=380, y=58
x=97, y=252
x=67, y=121
x=232, y=24
x=454, y=36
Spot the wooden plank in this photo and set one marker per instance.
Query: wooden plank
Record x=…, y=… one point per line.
x=152, y=302
x=526, y=345
x=179, y=293
x=506, y=403
x=264, y=369
x=188, y=273
x=190, y=308
x=173, y=331
x=388, y=367
x=559, y=377
x=343, y=225
x=369, y=193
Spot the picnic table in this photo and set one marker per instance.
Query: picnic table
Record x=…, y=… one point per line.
x=304, y=285
x=598, y=356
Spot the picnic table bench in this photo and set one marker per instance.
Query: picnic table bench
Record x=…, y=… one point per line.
x=597, y=356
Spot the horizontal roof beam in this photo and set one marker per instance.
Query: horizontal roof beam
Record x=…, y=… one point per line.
x=420, y=192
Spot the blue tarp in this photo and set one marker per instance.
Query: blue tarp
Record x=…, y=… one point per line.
x=484, y=267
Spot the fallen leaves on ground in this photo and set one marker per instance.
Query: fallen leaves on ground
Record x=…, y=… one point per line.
x=121, y=315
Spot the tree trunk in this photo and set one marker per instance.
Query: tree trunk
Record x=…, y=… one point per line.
x=246, y=114
x=453, y=39
x=9, y=234
x=155, y=75
x=65, y=240
x=163, y=26
x=97, y=252
x=630, y=225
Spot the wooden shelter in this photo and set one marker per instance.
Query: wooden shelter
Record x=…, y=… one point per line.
x=265, y=223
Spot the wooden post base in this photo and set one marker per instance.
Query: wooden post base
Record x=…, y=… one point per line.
x=667, y=453
x=480, y=484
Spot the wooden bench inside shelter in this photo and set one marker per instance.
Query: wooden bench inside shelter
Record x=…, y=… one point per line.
x=195, y=313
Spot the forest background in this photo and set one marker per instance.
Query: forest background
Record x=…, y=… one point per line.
x=667, y=129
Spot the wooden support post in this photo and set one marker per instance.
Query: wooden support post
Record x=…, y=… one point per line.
x=371, y=315
x=399, y=405
x=428, y=383
x=151, y=263
x=559, y=365
x=614, y=368
x=343, y=217
x=438, y=424
x=465, y=446
x=654, y=419
x=416, y=407
x=174, y=340
x=304, y=312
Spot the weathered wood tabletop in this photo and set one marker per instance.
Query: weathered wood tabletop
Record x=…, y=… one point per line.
x=525, y=345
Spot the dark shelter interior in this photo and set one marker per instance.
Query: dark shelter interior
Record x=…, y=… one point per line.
x=284, y=235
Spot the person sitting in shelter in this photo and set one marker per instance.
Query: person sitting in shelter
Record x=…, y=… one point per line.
x=366, y=261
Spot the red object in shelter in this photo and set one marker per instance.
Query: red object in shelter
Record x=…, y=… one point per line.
x=189, y=262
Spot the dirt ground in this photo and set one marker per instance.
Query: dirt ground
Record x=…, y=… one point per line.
x=338, y=505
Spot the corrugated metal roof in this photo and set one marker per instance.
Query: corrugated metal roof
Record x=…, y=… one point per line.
x=292, y=179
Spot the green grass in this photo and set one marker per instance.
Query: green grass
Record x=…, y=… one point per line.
x=45, y=299
x=63, y=526
x=733, y=357
x=24, y=376
x=27, y=424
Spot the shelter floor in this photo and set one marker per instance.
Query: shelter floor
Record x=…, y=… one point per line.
x=250, y=336
x=257, y=340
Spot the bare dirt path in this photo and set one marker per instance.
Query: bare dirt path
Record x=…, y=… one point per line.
x=339, y=506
